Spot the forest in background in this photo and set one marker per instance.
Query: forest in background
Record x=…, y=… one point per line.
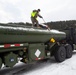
x=62, y=24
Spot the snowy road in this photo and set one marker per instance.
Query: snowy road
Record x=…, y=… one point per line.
x=49, y=67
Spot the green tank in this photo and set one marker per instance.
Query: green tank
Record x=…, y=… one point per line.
x=10, y=34
x=28, y=43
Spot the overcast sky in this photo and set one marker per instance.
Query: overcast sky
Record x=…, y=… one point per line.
x=51, y=10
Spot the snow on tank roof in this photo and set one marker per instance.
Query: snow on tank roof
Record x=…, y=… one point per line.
x=32, y=29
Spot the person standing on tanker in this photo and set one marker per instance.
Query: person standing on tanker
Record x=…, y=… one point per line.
x=34, y=15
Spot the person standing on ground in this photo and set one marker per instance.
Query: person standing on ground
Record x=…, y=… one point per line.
x=34, y=15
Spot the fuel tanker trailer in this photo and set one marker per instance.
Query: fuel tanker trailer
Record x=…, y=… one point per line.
x=31, y=44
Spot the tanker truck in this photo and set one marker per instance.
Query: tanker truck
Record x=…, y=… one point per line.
x=31, y=44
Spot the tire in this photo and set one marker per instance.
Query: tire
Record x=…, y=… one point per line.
x=68, y=51
x=60, y=54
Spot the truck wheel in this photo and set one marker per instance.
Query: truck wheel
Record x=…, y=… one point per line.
x=68, y=51
x=60, y=54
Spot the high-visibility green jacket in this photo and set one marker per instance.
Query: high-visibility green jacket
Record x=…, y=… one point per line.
x=34, y=14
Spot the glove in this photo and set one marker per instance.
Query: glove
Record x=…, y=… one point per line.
x=41, y=17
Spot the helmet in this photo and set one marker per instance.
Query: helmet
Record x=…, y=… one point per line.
x=39, y=10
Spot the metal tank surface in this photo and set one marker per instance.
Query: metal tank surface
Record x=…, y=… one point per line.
x=10, y=34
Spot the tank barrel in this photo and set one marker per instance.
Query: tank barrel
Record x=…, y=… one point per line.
x=10, y=34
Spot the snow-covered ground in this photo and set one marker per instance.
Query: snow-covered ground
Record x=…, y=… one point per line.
x=49, y=67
